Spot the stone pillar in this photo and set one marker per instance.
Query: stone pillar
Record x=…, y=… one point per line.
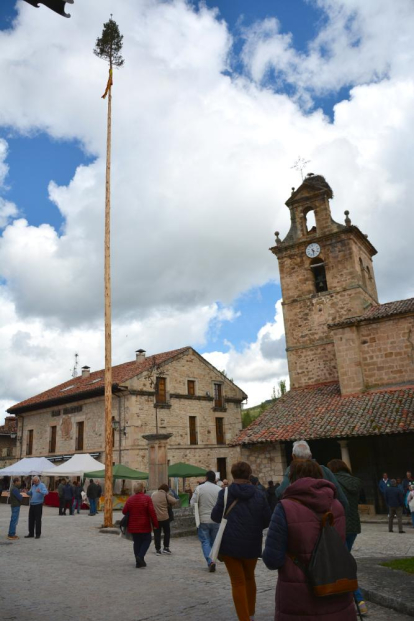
x=345, y=452
x=157, y=459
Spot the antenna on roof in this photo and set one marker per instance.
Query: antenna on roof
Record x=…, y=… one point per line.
x=300, y=165
x=75, y=366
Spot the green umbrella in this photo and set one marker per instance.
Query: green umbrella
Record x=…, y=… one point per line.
x=119, y=471
x=184, y=471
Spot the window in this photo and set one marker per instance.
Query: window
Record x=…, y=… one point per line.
x=52, y=439
x=218, y=395
x=363, y=275
x=191, y=387
x=310, y=222
x=161, y=390
x=29, y=442
x=220, y=431
x=222, y=467
x=193, y=430
x=319, y=274
x=80, y=428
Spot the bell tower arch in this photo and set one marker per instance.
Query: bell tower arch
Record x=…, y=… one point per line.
x=326, y=275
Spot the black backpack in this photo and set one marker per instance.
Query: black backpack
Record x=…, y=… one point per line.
x=332, y=569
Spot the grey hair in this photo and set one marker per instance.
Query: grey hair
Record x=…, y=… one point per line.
x=301, y=450
x=139, y=487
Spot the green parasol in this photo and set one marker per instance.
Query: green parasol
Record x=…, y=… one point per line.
x=185, y=471
x=119, y=471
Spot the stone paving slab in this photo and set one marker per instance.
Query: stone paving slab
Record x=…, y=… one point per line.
x=74, y=572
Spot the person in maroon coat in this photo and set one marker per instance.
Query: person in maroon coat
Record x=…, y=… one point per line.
x=294, y=530
x=141, y=517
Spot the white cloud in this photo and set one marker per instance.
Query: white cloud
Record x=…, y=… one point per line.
x=201, y=170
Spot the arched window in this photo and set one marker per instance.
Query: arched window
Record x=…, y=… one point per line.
x=361, y=266
x=318, y=269
x=310, y=222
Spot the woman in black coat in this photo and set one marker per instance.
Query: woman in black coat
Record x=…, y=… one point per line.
x=247, y=513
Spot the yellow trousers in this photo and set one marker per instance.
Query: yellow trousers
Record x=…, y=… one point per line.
x=243, y=585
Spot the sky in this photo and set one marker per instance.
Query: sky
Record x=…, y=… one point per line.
x=215, y=103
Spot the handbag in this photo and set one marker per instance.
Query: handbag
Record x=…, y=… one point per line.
x=170, y=512
x=123, y=524
x=214, y=554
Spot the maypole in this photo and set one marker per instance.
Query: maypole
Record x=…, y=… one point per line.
x=108, y=47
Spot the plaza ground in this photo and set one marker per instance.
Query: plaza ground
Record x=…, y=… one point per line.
x=75, y=572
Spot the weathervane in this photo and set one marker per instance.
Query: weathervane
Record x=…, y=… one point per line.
x=300, y=165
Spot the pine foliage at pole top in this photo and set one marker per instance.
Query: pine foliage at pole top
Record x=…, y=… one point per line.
x=109, y=45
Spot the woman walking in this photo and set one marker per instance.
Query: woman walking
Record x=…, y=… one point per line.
x=162, y=500
x=293, y=532
x=351, y=487
x=410, y=502
x=141, y=515
x=247, y=513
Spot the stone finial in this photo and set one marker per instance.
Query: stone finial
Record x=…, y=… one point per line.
x=278, y=240
x=347, y=218
x=293, y=189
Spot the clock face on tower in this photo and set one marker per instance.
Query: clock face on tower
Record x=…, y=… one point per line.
x=313, y=250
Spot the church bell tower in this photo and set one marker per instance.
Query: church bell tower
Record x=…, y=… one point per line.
x=326, y=275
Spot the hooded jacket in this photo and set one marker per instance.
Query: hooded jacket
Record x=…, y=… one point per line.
x=351, y=487
x=242, y=537
x=294, y=529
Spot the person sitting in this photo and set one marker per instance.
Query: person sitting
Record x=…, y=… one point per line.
x=293, y=532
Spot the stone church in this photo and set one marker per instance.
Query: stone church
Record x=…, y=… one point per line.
x=350, y=359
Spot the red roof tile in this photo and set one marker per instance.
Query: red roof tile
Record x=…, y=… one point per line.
x=10, y=426
x=84, y=387
x=381, y=311
x=321, y=412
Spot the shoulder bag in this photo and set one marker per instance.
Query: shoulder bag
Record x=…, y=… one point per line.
x=214, y=554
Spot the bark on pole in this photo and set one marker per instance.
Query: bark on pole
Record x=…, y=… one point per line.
x=108, y=330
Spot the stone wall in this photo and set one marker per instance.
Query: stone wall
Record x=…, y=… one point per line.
x=374, y=354
x=268, y=461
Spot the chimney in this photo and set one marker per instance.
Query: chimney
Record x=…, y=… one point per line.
x=86, y=372
x=140, y=355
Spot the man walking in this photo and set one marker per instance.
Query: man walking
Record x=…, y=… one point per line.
x=98, y=497
x=395, y=501
x=68, y=495
x=92, y=494
x=16, y=500
x=37, y=495
x=60, y=489
x=205, y=497
x=301, y=450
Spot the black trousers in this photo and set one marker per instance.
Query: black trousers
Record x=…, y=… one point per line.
x=65, y=504
x=142, y=542
x=61, y=505
x=165, y=526
x=35, y=520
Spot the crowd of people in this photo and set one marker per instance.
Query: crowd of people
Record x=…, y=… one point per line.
x=294, y=512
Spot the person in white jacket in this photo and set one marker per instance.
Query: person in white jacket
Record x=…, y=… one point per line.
x=410, y=502
x=205, y=498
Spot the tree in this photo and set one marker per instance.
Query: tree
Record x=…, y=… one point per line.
x=108, y=47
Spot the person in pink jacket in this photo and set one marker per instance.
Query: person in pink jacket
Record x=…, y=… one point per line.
x=294, y=530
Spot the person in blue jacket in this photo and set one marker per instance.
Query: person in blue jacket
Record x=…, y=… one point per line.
x=16, y=500
x=247, y=513
x=395, y=501
x=37, y=495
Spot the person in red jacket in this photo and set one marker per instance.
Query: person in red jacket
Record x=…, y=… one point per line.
x=141, y=516
x=294, y=529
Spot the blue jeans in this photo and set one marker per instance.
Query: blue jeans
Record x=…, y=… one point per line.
x=92, y=505
x=350, y=540
x=207, y=534
x=77, y=503
x=15, y=512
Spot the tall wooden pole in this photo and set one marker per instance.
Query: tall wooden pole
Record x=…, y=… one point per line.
x=108, y=331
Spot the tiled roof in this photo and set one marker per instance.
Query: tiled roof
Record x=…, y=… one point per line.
x=381, y=311
x=321, y=412
x=10, y=426
x=83, y=387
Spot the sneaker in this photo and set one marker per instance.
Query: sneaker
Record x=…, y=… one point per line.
x=212, y=567
x=402, y=532
x=166, y=551
x=363, y=608
x=12, y=537
x=157, y=552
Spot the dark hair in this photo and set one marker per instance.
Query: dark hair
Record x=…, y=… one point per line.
x=337, y=465
x=302, y=468
x=270, y=483
x=90, y=480
x=241, y=470
x=211, y=476
x=164, y=487
x=16, y=479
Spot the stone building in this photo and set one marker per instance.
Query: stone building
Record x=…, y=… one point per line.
x=175, y=392
x=350, y=359
x=8, y=436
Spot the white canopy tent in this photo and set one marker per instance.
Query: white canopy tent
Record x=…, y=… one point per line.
x=28, y=466
x=75, y=466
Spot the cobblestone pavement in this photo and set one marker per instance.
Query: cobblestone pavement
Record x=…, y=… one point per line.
x=75, y=572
